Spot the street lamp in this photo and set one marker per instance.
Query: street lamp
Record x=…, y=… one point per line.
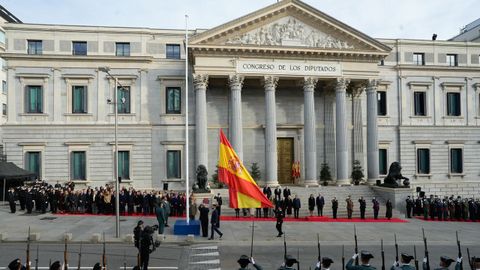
x=115, y=161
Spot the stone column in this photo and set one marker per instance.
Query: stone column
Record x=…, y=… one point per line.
x=357, y=132
x=341, y=131
x=270, y=84
x=235, y=126
x=57, y=96
x=372, y=132
x=200, y=82
x=309, y=139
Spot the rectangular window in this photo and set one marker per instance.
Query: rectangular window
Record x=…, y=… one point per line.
x=4, y=109
x=381, y=103
x=124, y=164
x=382, y=160
x=173, y=164
x=453, y=104
x=34, y=99
x=419, y=59
x=4, y=87
x=34, y=47
x=452, y=60
x=79, y=99
x=173, y=51
x=419, y=104
x=78, y=165
x=33, y=163
x=423, y=161
x=456, y=160
x=123, y=99
x=122, y=49
x=79, y=48
x=173, y=100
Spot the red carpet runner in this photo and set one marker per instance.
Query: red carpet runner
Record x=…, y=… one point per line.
x=433, y=220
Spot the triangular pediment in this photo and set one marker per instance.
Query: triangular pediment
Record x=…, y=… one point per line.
x=289, y=24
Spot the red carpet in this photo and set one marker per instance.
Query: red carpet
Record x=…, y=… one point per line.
x=315, y=219
x=436, y=220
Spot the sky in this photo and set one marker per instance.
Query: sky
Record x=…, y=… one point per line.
x=410, y=19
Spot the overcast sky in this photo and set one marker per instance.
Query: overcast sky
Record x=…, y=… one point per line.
x=416, y=19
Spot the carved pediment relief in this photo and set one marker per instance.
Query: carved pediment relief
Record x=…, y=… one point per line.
x=288, y=31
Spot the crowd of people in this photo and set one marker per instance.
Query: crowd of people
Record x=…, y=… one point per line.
x=446, y=208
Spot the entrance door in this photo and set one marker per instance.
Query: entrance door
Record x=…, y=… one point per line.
x=285, y=160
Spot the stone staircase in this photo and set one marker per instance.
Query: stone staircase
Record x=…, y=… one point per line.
x=328, y=192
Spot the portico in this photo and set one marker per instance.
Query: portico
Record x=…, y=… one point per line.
x=307, y=65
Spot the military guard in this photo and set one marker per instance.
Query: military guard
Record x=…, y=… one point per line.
x=16, y=265
x=56, y=266
x=97, y=266
x=324, y=264
x=365, y=257
x=445, y=263
x=289, y=262
x=244, y=261
x=404, y=263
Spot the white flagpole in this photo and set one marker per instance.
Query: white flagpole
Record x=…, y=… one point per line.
x=187, y=181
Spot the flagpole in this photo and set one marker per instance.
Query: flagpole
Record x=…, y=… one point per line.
x=187, y=181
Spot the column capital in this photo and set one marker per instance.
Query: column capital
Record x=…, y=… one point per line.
x=309, y=83
x=200, y=81
x=270, y=82
x=372, y=85
x=341, y=84
x=235, y=81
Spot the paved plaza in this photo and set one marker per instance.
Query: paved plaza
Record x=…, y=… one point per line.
x=176, y=253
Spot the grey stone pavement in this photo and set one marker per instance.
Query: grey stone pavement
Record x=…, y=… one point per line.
x=51, y=228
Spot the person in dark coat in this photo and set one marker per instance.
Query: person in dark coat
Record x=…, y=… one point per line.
x=244, y=261
x=365, y=257
x=334, y=207
x=363, y=206
x=279, y=214
x=214, y=223
x=409, y=205
x=123, y=201
x=376, y=208
x=311, y=204
x=278, y=193
x=29, y=201
x=296, y=206
x=22, y=198
x=12, y=197
x=204, y=219
x=320, y=202
x=286, y=193
x=288, y=206
x=388, y=213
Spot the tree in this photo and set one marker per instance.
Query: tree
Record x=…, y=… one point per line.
x=325, y=174
x=357, y=172
x=255, y=172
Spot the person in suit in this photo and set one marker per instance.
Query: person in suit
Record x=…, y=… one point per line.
x=349, y=207
x=279, y=214
x=334, y=207
x=363, y=206
x=320, y=202
x=278, y=193
x=409, y=204
x=286, y=193
x=296, y=206
x=376, y=208
x=12, y=197
x=388, y=213
x=204, y=219
x=215, y=217
x=311, y=204
x=219, y=200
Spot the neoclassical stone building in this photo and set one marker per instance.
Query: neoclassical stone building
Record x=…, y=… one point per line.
x=287, y=83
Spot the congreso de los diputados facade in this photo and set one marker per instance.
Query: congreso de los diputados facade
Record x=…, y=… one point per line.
x=288, y=84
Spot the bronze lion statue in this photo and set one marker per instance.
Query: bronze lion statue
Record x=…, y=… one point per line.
x=394, y=175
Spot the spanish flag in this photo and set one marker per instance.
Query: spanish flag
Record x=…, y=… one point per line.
x=243, y=191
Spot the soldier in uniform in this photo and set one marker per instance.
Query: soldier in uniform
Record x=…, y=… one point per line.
x=244, y=261
x=409, y=205
x=376, y=208
x=289, y=262
x=56, y=266
x=16, y=265
x=404, y=263
x=349, y=207
x=11, y=200
x=97, y=266
x=324, y=264
x=363, y=206
x=334, y=207
x=279, y=214
x=365, y=257
x=445, y=263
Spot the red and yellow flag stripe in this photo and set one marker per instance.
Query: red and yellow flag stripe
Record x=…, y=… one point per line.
x=243, y=191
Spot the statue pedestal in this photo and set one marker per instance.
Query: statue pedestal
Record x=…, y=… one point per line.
x=181, y=227
x=396, y=195
x=205, y=198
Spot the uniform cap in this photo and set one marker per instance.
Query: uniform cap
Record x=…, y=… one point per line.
x=446, y=260
x=140, y=222
x=476, y=259
x=55, y=266
x=366, y=254
x=14, y=264
x=243, y=259
x=407, y=258
x=290, y=260
x=326, y=261
x=97, y=266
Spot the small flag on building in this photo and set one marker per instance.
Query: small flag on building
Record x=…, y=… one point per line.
x=242, y=189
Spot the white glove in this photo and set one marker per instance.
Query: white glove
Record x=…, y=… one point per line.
x=252, y=260
x=395, y=264
x=317, y=265
x=459, y=260
x=355, y=256
x=425, y=260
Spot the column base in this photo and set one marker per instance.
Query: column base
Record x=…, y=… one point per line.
x=310, y=183
x=344, y=182
x=373, y=182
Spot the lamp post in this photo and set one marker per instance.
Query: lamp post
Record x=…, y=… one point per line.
x=115, y=161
